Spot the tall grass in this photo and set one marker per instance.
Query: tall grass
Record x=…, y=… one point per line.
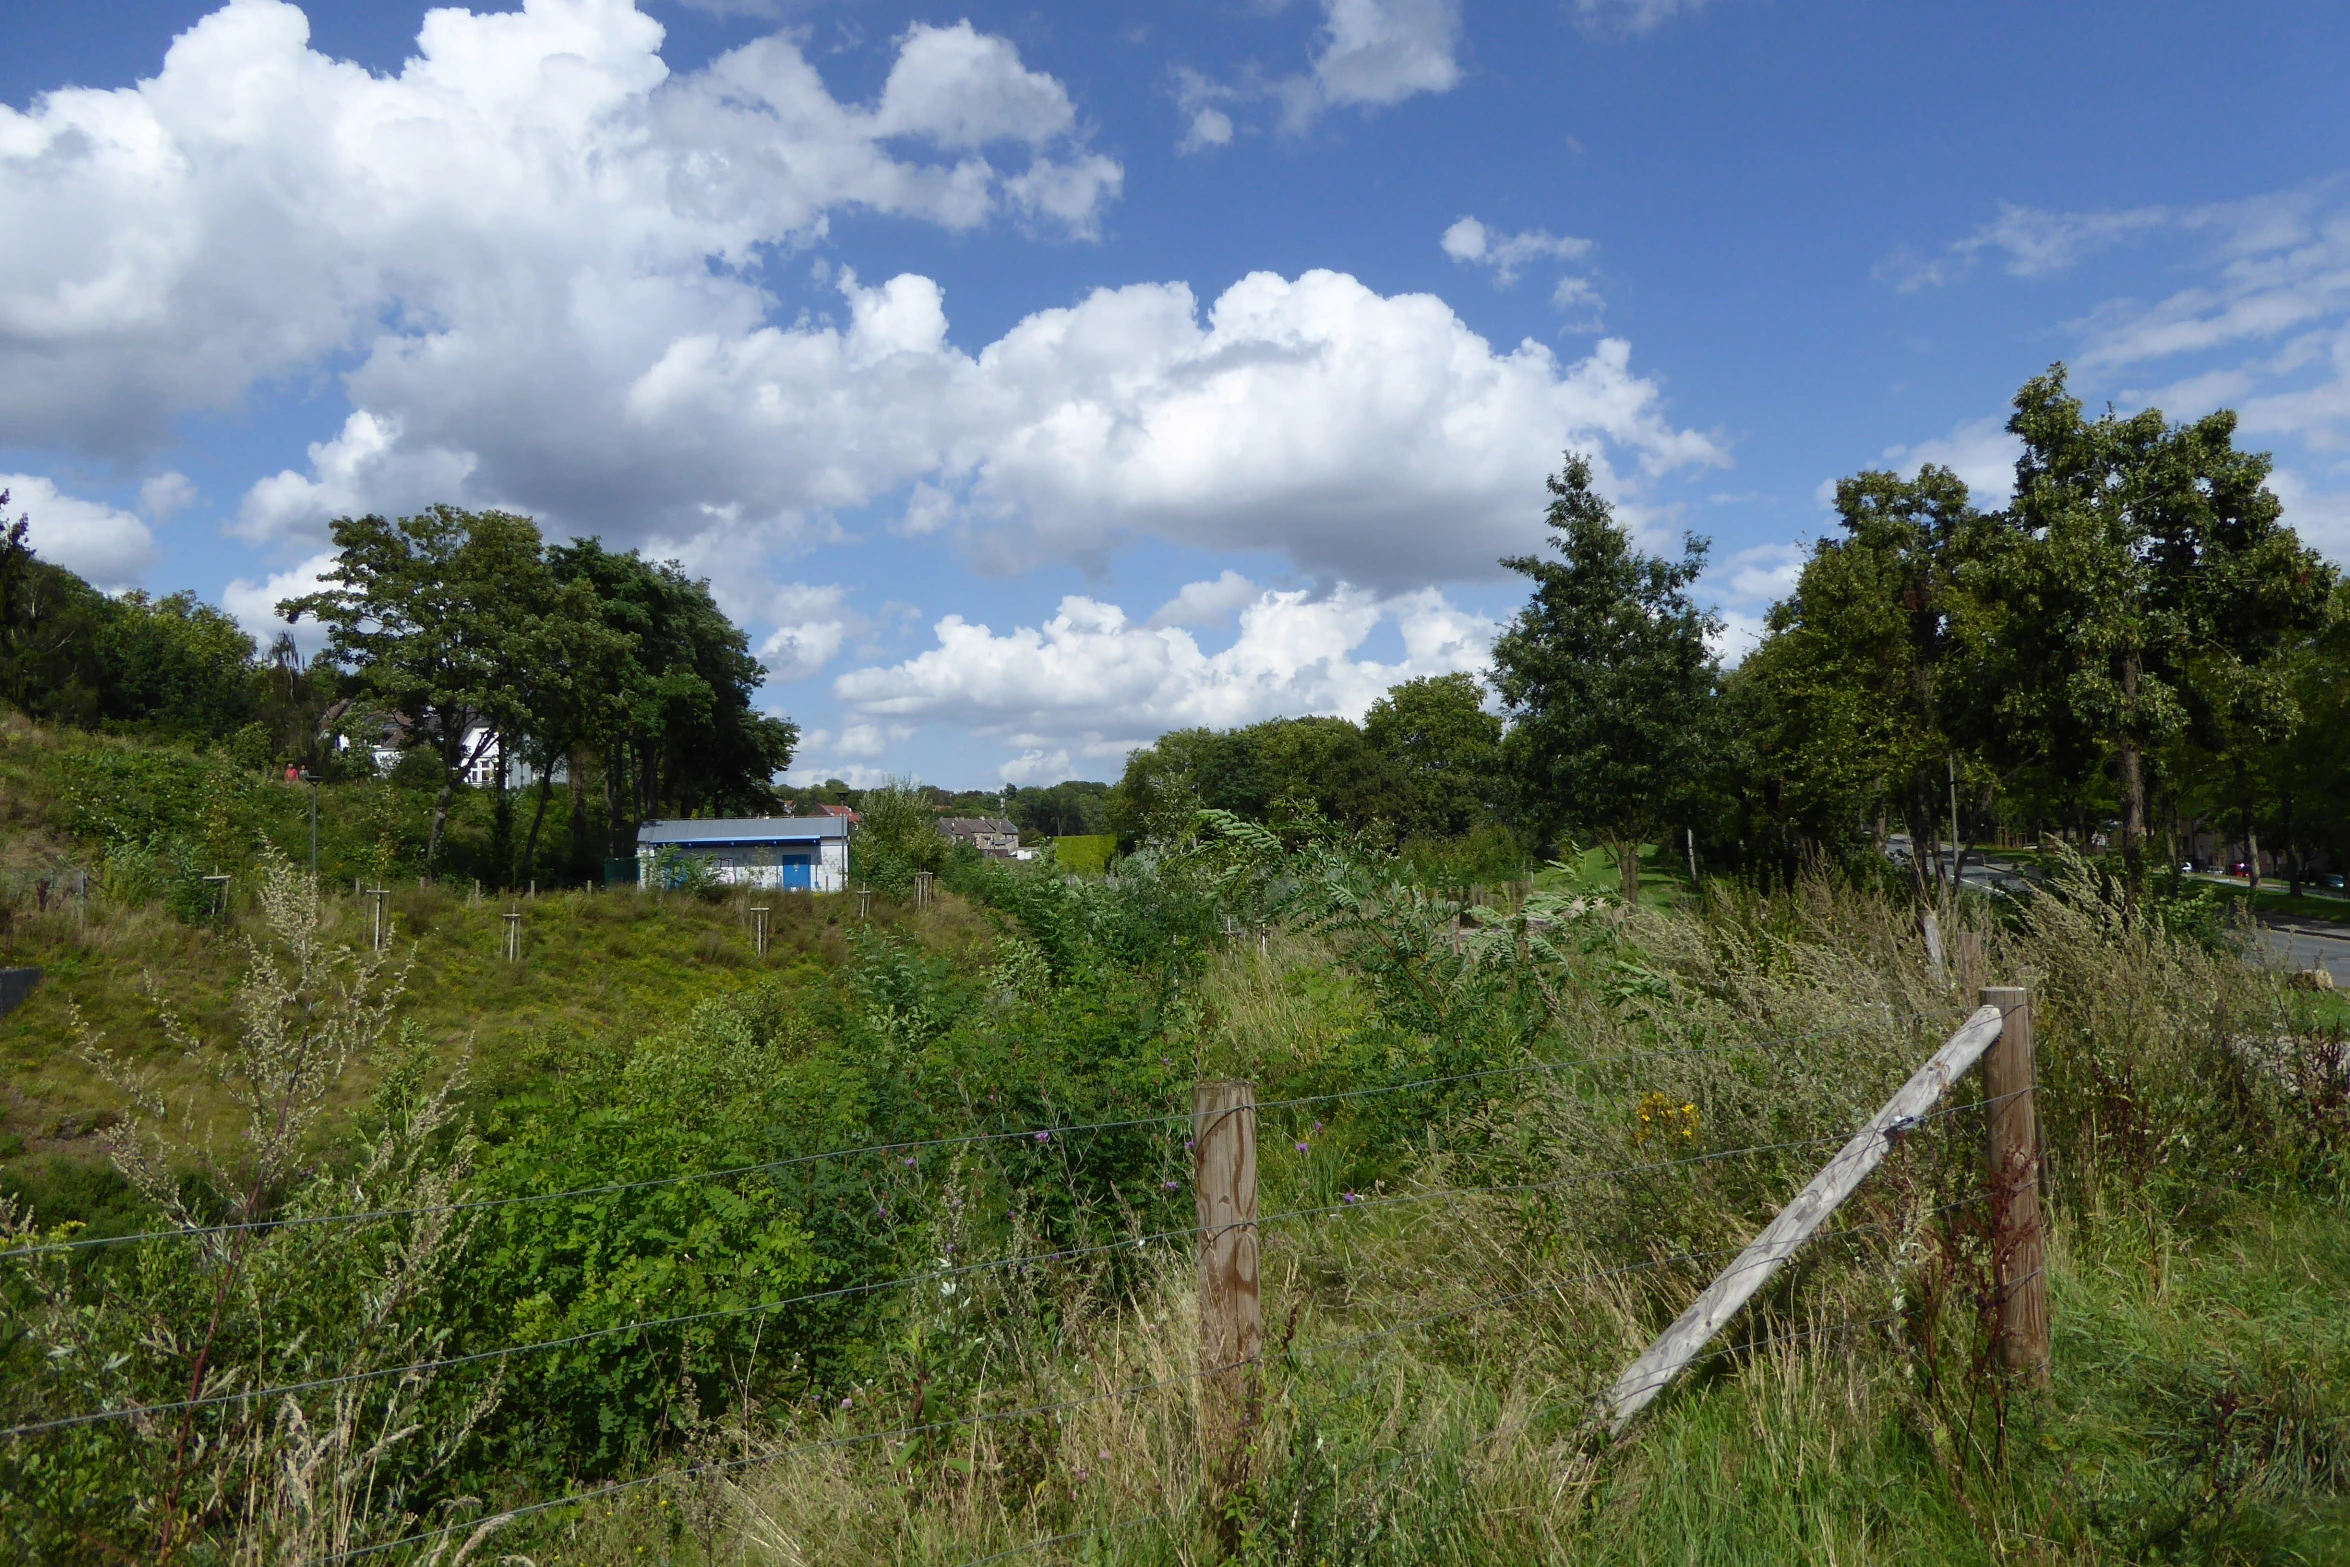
x=1452, y=1271
x=2201, y=1405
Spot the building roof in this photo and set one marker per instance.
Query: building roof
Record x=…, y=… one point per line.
x=967, y=826
x=744, y=829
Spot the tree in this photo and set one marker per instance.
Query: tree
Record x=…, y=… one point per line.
x=1072, y=808
x=683, y=735
x=2143, y=574
x=1611, y=693
x=176, y=664
x=1858, y=695
x=442, y=614
x=1321, y=762
x=570, y=691
x=1436, y=731
x=49, y=618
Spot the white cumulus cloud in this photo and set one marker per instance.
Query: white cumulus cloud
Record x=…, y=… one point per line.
x=1380, y=52
x=254, y=604
x=1507, y=254
x=108, y=548
x=543, y=253
x=1211, y=603
x=1979, y=451
x=1367, y=54
x=811, y=624
x=1369, y=436
x=534, y=197
x=1091, y=680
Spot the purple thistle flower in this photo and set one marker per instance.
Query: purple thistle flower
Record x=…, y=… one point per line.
x=1170, y=1185
x=1188, y=1143
x=1305, y=1147
x=1348, y=1197
x=1044, y=1137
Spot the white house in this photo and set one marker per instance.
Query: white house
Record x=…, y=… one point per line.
x=791, y=853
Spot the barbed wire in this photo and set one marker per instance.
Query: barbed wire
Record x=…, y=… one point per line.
x=913, y=1146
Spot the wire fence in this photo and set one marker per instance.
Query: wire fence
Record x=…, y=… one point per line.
x=1389, y=1463
x=920, y=1146
x=908, y=1432
x=931, y=1276
x=1349, y=1204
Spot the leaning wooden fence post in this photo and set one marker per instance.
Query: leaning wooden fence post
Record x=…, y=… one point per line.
x=2019, y=1250
x=1795, y=1224
x=1231, y=1316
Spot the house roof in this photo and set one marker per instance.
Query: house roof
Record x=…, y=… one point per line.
x=966, y=826
x=743, y=829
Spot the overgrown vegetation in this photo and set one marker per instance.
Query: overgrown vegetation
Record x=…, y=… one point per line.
x=1485, y=1253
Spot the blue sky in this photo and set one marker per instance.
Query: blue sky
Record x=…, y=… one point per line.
x=1032, y=380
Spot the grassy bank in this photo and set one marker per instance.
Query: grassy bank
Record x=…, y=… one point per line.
x=599, y=971
x=1491, y=1168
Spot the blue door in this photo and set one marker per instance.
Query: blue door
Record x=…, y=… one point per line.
x=797, y=872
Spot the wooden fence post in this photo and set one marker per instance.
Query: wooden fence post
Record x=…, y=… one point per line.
x=514, y=936
x=1231, y=1314
x=759, y=928
x=1784, y=1236
x=2019, y=1246
x=379, y=934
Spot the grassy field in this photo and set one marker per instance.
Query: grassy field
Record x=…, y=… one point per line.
x=599, y=971
x=2199, y=1410
x=1664, y=880
x=1554, y=1145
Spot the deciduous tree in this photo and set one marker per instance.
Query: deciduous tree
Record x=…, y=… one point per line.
x=1436, y=731
x=441, y=614
x=2143, y=572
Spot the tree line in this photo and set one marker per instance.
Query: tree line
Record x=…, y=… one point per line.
x=462, y=640
x=2135, y=647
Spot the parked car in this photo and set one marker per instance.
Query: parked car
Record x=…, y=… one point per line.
x=2239, y=869
x=2331, y=883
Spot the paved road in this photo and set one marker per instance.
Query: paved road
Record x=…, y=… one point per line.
x=2299, y=944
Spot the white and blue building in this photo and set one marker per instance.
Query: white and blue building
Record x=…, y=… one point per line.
x=790, y=853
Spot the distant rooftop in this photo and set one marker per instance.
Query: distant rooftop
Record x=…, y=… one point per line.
x=745, y=829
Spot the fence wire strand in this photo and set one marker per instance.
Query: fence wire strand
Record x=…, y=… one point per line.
x=918, y=1146
x=1058, y=1406
x=935, y=1275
